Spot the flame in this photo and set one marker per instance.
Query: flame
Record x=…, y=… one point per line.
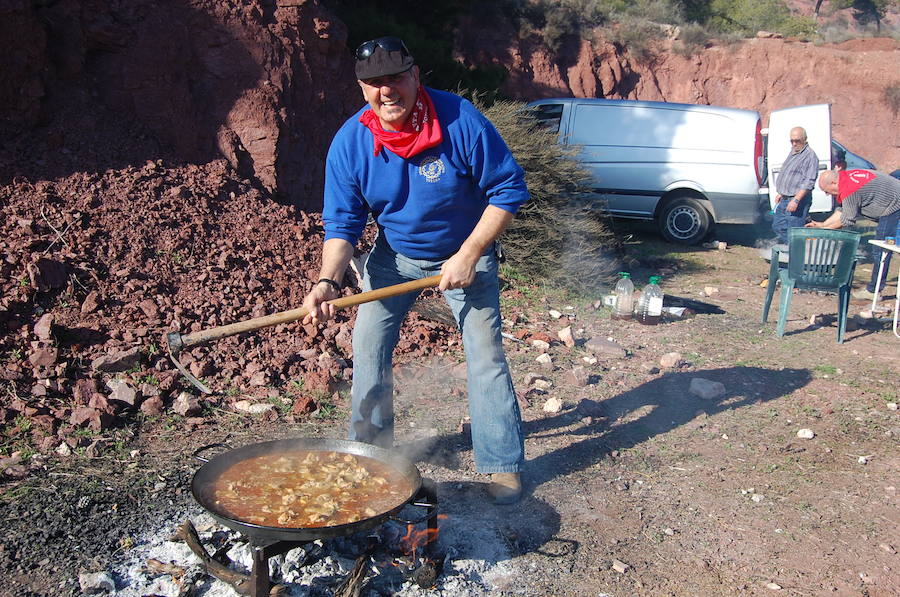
x=414, y=540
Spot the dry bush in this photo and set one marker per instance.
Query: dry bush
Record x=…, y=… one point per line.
x=561, y=235
x=694, y=38
x=892, y=97
x=637, y=35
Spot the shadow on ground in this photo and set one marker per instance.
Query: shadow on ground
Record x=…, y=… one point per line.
x=670, y=406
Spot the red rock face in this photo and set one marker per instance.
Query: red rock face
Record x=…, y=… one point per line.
x=265, y=84
x=757, y=74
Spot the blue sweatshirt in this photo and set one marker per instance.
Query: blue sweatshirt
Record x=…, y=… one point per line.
x=427, y=205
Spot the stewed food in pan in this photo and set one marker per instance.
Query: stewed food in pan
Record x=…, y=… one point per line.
x=308, y=488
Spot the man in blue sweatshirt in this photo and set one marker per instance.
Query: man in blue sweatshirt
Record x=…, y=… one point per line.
x=441, y=185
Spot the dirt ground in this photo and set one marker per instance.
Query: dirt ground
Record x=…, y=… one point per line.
x=635, y=487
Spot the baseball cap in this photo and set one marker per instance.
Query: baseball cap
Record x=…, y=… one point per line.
x=382, y=57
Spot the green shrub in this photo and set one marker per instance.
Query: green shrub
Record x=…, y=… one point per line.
x=560, y=236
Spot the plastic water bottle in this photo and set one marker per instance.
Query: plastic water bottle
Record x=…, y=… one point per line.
x=649, y=306
x=624, y=297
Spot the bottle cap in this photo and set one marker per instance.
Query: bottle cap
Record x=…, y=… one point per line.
x=625, y=274
x=655, y=279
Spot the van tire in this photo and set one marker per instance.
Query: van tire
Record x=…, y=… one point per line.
x=684, y=221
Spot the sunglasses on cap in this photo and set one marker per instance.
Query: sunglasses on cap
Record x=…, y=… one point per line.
x=388, y=44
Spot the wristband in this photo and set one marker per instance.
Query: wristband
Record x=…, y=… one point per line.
x=332, y=283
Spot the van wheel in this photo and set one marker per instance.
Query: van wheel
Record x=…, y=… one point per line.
x=684, y=221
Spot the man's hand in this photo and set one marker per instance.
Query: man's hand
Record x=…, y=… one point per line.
x=813, y=224
x=792, y=205
x=778, y=198
x=457, y=272
x=319, y=310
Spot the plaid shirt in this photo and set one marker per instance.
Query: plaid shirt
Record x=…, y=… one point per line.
x=798, y=172
x=877, y=198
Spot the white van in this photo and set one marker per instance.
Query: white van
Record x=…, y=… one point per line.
x=685, y=166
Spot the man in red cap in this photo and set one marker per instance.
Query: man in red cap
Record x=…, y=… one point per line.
x=869, y=194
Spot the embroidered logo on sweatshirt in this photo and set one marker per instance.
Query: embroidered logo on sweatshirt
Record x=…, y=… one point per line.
x=432, y=168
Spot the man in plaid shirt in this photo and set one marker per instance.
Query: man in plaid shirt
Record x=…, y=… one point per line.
x=795, y=184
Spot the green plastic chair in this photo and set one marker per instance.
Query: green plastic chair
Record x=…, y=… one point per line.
x=818, y=259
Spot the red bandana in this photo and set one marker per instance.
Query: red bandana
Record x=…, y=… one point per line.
x=421, y=131
x=850, y=181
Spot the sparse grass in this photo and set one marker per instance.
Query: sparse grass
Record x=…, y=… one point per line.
x=825, y=369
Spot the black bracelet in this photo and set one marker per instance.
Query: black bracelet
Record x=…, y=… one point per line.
x=332, y=283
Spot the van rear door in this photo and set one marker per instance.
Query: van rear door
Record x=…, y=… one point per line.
x=816, y=119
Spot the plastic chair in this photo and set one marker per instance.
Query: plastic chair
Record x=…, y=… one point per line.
x=818, y=259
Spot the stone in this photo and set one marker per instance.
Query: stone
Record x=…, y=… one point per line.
x=186, y=405
x=554, y=313
x=83, y=390
x=117, y=362
x=604, y=347
x=542, y=384
x=253, y=408
x=566, y=337
x=93, y=583
x=806, y=434
x=552, y=405
x=540, y=345
x=123, y=393
x=671, y=360
x=149, y=308
x=545, y=360
x=304, y=405
x=530, y=378
x=90, y=303
x=773, y=586
x=590, y=408
x=620, y=566
x=44, y=327
x=64, y=450
x=577, y=376
x=92, y=418
x=706, y=389
x=47, y=274
x=152, y=406
x=43, y=357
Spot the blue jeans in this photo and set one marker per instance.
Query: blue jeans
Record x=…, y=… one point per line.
x=496, y=421
x=887, y=226
x=782, y=219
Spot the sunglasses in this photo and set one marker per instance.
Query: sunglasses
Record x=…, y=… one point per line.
x=388, y=44
x=797, y=141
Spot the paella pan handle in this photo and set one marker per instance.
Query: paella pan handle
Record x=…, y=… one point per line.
x=196, y=454
x=427, y=499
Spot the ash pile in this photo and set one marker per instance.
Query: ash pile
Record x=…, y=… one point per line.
x=379, y=562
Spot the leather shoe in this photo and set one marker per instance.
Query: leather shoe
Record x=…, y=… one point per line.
x=505, y=488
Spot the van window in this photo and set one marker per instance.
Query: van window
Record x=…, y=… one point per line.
x=548, y=116
x=649, y=126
